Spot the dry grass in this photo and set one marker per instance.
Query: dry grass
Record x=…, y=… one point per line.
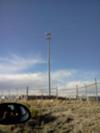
x=60, y=116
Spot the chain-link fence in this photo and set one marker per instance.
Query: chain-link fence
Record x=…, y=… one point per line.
x=86, y=92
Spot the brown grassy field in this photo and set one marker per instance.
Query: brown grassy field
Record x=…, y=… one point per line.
x=59, y=116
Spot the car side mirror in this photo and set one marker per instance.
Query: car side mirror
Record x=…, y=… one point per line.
x=13, y=113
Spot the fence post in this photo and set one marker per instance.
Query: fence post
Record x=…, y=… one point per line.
x=77, y=92
x=86, y=93
x=56, y=92
x=96, y=90
x=41, y=93
x=27, y=91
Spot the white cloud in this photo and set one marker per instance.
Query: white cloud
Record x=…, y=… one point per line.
x=15, y=63
x=10, y=76
x=39, y=80
x=73, y=84
x=61, y=74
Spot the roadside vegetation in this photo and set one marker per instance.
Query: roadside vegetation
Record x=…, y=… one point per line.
x=59, y=116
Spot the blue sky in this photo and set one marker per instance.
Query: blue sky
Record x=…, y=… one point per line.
x=75, y=45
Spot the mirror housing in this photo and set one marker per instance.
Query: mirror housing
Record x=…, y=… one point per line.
x=13, y=113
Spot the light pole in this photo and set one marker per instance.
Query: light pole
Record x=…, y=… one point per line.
x=48, y=35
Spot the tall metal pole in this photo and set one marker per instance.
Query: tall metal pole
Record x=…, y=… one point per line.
x=49, y=62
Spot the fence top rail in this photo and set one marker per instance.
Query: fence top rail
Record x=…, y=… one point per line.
x=89, y=85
